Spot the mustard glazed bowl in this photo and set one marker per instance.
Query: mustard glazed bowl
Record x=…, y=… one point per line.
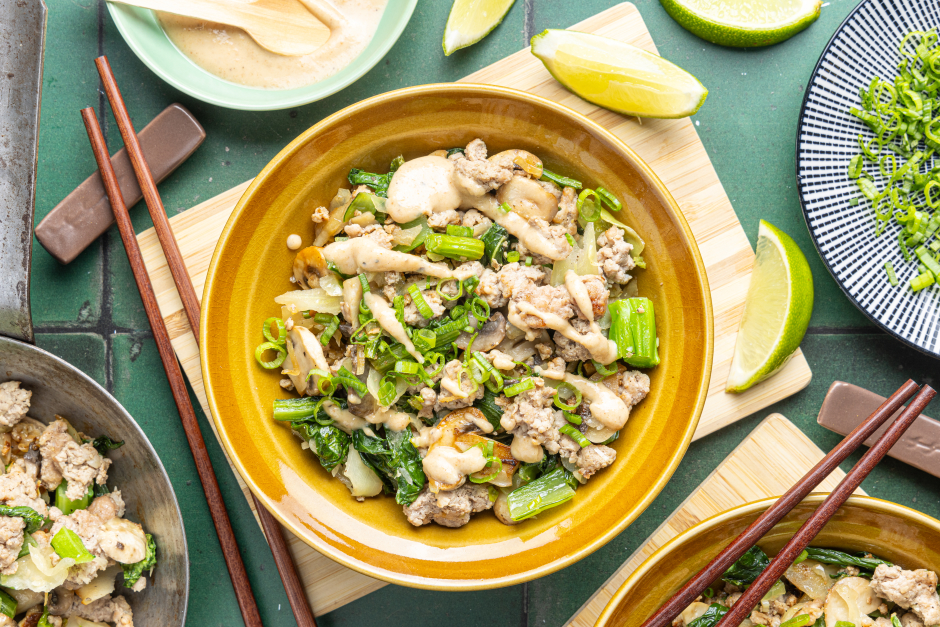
x=896, y=533
x=251, y=265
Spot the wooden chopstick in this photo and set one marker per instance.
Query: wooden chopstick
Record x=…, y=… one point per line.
x=197, y=445
x=814, y=524
x=800, y=490
x=296, y=594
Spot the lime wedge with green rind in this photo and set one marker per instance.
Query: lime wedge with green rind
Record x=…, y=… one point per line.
x=743, y=23
x=777, y=310
x=617, y=76
x=472, y=20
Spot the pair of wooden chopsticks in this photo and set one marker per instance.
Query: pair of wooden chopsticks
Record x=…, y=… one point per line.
x=756, y=591
x=223, y=526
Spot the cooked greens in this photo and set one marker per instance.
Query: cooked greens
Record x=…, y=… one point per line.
x=133, y=572
x=710, y=618
x=103, y=444
x=378, y=182
x=841, y=558
x=744, y=571
x=34, y=520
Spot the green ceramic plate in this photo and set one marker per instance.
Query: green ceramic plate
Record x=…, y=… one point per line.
x=146, y=38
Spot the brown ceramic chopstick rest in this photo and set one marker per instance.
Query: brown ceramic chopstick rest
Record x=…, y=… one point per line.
x=846, y=405
x=85, y=214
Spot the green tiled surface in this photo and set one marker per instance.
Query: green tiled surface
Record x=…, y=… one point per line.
x=90, y=313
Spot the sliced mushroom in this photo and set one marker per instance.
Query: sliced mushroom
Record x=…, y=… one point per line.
x=529, y=163
x=810, y=577
x=849, y=600
x=309, y=266
x=306, y=354
x=123, y=541
x=491, y=334
x=528, y=199
x=500, y=450
x=468, y=420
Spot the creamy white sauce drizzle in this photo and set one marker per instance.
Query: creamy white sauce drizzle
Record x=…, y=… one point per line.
x=453, y=386
x=306, y=353
x=606, y=407
x=421, y=187
x=448, y=466
x=362, y=254
x=580, y=294
x=430, y=184
x=345, y=419
x=386, y=318
x=525, y=449
x=601, y=349
x=392, y=419
x=426, y=437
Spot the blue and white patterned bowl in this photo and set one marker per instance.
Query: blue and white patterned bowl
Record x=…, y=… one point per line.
x=865, y=45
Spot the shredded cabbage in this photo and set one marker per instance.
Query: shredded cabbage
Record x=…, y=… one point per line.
x=36, y=571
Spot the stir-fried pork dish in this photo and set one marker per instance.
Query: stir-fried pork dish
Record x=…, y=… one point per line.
x=824, y=588
x=64, y=542
x=464, y=334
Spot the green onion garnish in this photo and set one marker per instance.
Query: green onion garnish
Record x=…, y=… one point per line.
x=570, y=239
x=921, y=281
x=609, y=199
x=589, y=205
x=575, y=435
x=270, y=346
x=572, y=418
x=519, y=388
x=350, y=381
x=7, y=603
x=365, y=286
x=386, y=391
x=325, y=381
x=512, y=256
x=454, y=247
x=445, y=296
x=459, y=231
x=558, y=179
x=892, y=277
x=570, y=392
x=927, y=259
x=281, y=331
x=528, y=261
x=424, y=339
x=418, y=299
x=605, y=370
x=331, y=324
x=505, y=208
x=407, y=367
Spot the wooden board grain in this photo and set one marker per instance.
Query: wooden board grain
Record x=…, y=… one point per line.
x=751, y=472
x=673, y=150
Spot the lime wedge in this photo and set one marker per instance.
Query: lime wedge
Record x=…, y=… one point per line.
x=618, y=76
x=743, y=23
x=777, y=309
x=472, y=20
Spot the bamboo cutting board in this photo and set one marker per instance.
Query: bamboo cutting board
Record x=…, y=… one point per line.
x=673, y=150
x=750, y=473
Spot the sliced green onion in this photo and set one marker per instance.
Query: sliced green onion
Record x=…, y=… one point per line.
x=407, y=367
x=569, y=239
x=609, y=199
x=480, y=309
x=921, y=281
x=325, y=382
x=575, y=435
x=435, y=361
x=528, y=261
x=67, y=544
x=927, y=259
x=505, y=208
x=558, y=179
x=572, y=418
x=424, y=339
x=589, y=205
x=350, y=381
x=445, y=296
x=7, y=604
x=459, y=231
x=605, y=370
x=799, y=621
x=281, y=331
x=364, y=282
x=892, y=277
x=387, y=391
x=331, y=324
x=512, y=256
x=570, y=392
x=270, y=346
x=855, y=167
x=454, y=247
x=418, y=299
x=518, y=388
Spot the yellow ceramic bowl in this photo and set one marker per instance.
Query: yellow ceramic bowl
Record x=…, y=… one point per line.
x=251, y=266
x=897, y=533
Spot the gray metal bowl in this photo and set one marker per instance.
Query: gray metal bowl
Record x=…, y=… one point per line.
x=59, y=388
